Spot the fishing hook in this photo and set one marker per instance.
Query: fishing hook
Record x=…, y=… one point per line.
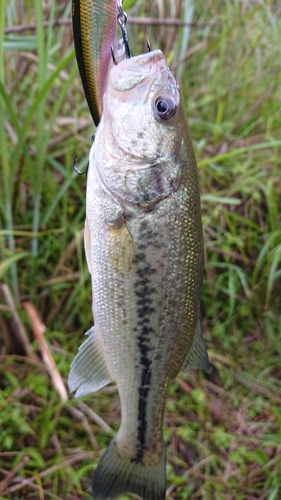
x=77, y=169
x=122, y=21
x=112, y=55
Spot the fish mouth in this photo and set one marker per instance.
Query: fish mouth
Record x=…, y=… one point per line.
x=134, y=62
x=140, y=71
x=132, y=80
x=148, y=63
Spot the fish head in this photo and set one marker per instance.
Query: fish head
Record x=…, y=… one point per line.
x=141, y=107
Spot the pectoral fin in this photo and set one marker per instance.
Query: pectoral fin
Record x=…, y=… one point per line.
x=197, y=357
x=88, y=372
x=121, y=249
x=119, y=245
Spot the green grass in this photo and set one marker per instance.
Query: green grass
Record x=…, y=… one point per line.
x=223, y=432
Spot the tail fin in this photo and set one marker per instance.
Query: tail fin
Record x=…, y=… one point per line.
x=116, y=475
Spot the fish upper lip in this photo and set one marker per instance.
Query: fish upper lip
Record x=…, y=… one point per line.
x=148, y=67
x=145, y=58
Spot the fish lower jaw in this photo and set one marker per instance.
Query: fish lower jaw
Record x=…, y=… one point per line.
x=147, y=454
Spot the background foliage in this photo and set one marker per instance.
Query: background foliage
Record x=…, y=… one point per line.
x=223, y=432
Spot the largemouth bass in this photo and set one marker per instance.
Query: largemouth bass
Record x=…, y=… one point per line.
x=144, y=248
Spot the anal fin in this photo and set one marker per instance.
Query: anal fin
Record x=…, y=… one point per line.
x=197, y=357
x=88, y=372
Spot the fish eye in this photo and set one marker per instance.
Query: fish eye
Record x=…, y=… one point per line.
x=165, y=107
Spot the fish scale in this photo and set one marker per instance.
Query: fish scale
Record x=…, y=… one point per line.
x=144, y=248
